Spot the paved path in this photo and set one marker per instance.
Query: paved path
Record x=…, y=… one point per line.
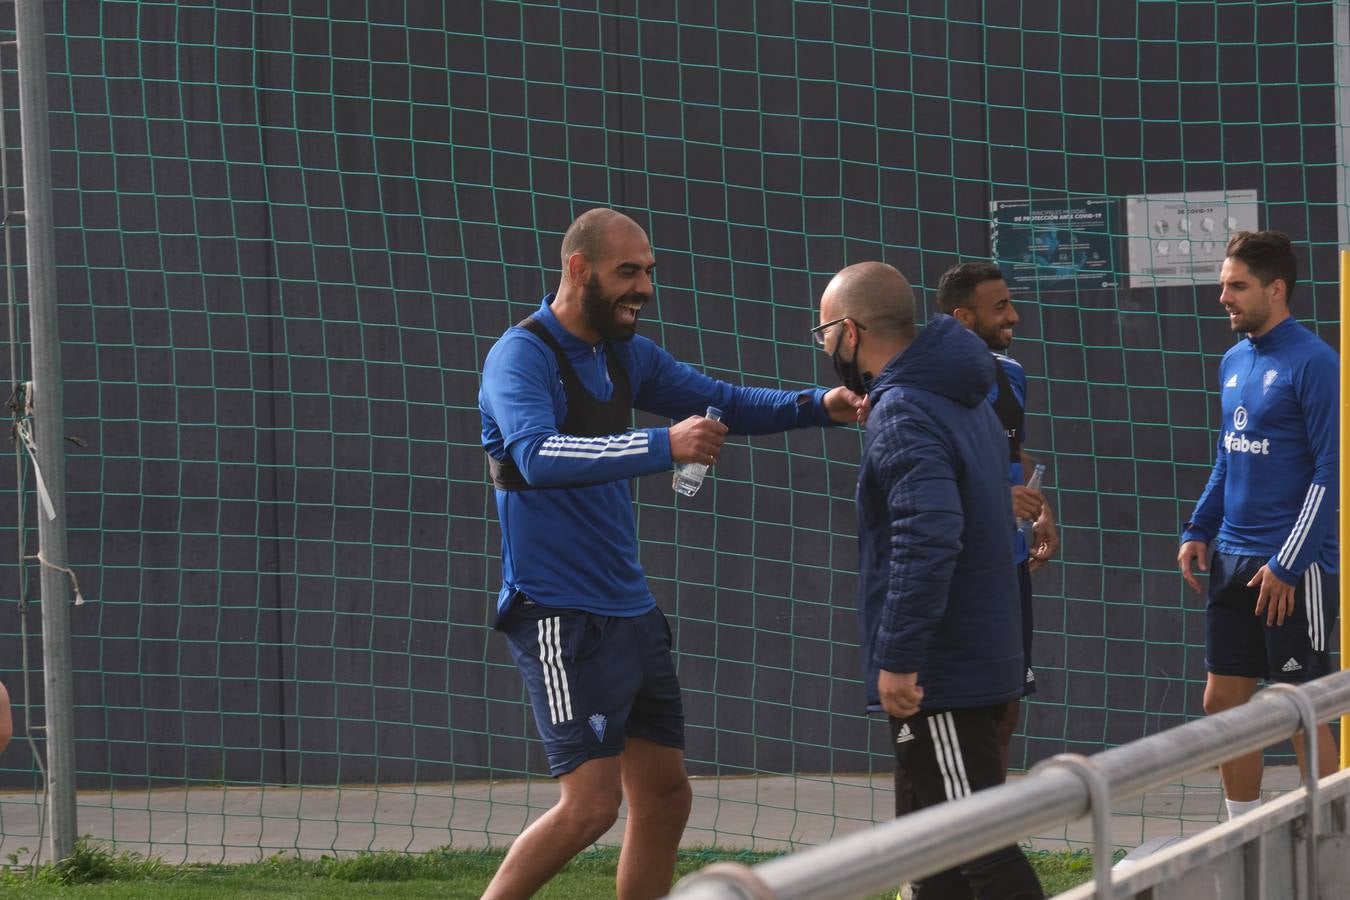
x=239, y=824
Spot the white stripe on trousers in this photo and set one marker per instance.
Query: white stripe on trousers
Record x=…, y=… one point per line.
x=555, y=676
x=947, y=750
x=1312, y=600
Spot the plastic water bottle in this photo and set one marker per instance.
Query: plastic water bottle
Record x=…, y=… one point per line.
x=1026, y=526
x=689, y=476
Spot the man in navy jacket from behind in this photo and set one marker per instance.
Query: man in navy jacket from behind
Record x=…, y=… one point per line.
x=938, y=600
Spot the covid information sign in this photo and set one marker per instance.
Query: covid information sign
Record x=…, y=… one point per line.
x=1054, y=245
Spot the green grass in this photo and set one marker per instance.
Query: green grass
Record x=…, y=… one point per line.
x=1060, y=871
x=94, y=871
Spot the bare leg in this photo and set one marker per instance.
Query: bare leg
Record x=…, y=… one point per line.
x=1328, y=760
x=1241, y=775
x=6, y=719
x=587, y=808
x=659, y=798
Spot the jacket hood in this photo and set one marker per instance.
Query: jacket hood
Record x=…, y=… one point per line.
x=946, y=358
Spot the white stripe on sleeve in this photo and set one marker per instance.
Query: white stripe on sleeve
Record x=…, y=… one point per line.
x=633, y=443
x=1294, y=543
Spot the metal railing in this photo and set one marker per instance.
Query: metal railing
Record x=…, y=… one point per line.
x=1057, y=791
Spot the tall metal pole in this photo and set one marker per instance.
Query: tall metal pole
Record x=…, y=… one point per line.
x=48, y=423
x=1342, y=12
x=1343, y=523
x=1342, y=25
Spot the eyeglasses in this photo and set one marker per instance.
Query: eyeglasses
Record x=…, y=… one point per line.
x=818, y=333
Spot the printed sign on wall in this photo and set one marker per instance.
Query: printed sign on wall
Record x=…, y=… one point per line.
x=1054, y=245
x=1179, y=239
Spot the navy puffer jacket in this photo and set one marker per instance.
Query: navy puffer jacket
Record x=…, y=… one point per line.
x=937, y=588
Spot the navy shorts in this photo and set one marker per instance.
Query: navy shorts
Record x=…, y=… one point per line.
x=1239, y=642
x=595, y=680
x=1028, y=625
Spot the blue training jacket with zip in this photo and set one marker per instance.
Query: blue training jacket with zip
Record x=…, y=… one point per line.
x=1274, y=488
x=565, y=545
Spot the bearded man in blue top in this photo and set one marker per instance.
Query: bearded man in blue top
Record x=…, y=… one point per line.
x=591, y=645
x=1269, y=509
x=976, y=295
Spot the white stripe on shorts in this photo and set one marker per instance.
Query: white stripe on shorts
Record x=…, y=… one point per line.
x=947, y=750
x=555, y=676
x=1312, y=599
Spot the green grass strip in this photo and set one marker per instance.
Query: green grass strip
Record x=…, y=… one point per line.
x=96, y=871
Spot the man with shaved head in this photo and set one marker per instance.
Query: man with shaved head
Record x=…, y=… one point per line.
x=593, y=649
x=938, y=603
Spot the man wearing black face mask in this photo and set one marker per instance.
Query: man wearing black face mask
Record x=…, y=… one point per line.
x=847, y=369
x=938, y=603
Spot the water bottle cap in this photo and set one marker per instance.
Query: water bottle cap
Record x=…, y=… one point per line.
x=713, y=413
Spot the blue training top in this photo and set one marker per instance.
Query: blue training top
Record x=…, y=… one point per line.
x=572, y=542
x=1017, y=381
x=1274, y=489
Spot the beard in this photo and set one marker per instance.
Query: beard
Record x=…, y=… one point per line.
x=602, y=314
x=1246, y=323
x=992, y=337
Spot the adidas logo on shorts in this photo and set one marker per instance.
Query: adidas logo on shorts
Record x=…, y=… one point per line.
x=1291, y=666
x=1031, y=676
x=904, y=734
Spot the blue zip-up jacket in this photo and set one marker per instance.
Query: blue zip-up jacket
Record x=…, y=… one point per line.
x=937, y=588
x=573, y=546
x=1274, y=488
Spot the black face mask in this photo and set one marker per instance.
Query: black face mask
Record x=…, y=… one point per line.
x=847, y=370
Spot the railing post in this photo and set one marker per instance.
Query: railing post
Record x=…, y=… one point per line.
x=1099, y=801
x=1308, y=717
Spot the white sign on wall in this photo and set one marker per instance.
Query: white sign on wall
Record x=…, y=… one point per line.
x=1179, y=239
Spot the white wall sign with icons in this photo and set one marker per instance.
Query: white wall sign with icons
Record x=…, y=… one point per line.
x=1179, y=239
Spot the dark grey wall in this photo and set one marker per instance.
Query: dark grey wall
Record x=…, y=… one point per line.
x=288, y=234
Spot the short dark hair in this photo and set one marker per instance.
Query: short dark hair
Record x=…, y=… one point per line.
x=1269, y=255
x=957, y=284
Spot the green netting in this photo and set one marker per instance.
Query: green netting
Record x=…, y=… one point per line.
x=289, y=231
